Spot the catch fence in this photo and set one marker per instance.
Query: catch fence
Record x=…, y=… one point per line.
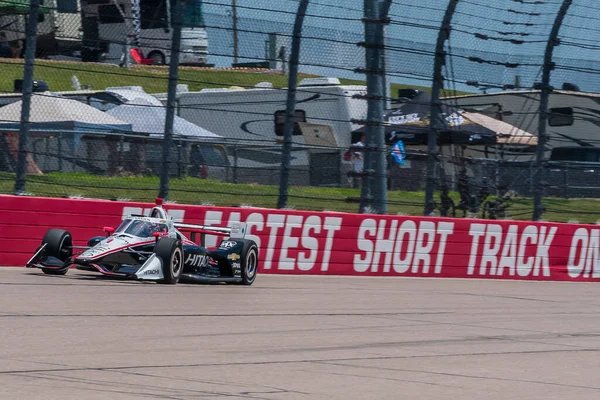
x=225, y=144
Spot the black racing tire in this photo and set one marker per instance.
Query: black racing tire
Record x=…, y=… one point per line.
x=249, y=262
x=157, y=57
x=58, y=244
x=170, y=251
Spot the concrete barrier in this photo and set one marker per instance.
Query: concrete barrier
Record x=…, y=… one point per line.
x=305, y=242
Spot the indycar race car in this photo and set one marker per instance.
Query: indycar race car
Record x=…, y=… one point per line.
x=153, y=248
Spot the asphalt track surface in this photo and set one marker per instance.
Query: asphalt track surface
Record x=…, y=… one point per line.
x=290, y=337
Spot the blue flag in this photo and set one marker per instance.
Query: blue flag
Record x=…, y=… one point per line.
x=398, y=152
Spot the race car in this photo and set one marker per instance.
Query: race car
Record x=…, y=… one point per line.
x=153, y=248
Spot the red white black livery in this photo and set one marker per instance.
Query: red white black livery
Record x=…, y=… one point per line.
x=153, y=248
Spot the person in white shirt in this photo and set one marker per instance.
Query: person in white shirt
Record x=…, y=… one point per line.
x=358, y=160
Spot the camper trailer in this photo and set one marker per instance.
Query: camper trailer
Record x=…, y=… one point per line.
x=572, y=137
x=257, y=114
x=573, y=116
x=254, y=120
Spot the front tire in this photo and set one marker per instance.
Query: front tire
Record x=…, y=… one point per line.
x=249, y=262
x=169, y=250
x=59, y=245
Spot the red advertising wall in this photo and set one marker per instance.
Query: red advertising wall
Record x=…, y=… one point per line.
x=303, y=242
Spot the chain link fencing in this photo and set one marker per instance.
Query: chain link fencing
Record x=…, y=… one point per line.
x=107, y=63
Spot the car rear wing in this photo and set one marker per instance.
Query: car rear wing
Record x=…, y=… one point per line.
x=236, y=231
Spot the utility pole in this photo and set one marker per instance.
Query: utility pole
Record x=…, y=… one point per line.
x=235, y=31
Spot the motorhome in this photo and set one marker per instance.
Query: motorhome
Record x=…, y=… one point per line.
x=108, y=24
x=257, y=114
x=573, y=120
x=254, y=118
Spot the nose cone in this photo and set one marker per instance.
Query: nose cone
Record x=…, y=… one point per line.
x=106, y=246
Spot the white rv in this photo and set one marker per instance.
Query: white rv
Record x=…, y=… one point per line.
x=252, y=120
x=573, y=120
x=256, y=115
x=107, y=24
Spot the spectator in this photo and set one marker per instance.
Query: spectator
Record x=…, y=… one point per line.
x=358, y=160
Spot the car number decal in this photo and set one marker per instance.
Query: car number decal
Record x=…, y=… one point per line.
x=227, y=244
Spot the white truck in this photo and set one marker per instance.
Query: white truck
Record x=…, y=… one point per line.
x=100, y=30
x=59, y=29
x=109, y=26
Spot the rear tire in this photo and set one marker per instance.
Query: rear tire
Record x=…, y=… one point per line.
x=58, y=244
x=169, y=250
x=249, y=262
x=157, y=57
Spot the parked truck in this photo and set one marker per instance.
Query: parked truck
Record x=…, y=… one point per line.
x=59, y=28
x=112, y=26
x=104, y=30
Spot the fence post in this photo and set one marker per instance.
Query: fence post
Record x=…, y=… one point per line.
x=366, y=189
x=374, y=181
x=291, y=106
x=553, y=40
x=380, y=189
x=438, y=84
x=234, y=19
x=171, y=100
x=30, y=44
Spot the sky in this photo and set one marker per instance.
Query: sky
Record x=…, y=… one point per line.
x=333, y=27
